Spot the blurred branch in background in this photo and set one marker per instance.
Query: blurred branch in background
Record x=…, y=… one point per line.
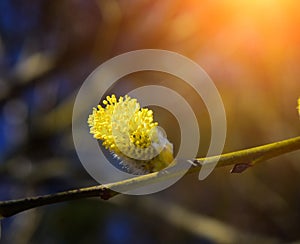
x=213, y=230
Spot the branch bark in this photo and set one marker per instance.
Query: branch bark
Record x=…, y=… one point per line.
x=241, y=160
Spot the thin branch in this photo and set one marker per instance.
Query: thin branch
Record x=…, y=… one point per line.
x=244, y=157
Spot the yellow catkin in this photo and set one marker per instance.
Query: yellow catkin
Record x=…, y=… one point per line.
x=298, y=106
x=131, y=134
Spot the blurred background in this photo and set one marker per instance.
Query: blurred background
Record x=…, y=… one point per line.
x=250, y=49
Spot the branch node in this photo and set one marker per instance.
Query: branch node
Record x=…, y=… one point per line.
x=240, y=168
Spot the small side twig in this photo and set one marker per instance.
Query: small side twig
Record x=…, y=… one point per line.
x=246, y=156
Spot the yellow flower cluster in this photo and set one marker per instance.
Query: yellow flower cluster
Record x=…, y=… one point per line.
x=122, y=123
x=298, y=106
x=130, y=133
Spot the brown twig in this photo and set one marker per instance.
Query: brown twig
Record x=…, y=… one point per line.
x=247, y=156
